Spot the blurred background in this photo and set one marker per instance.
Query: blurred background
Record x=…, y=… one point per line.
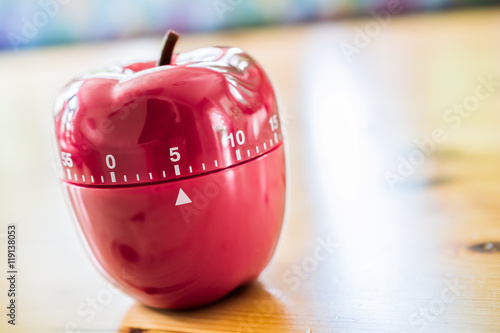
x=33, y=23
x=392, y=117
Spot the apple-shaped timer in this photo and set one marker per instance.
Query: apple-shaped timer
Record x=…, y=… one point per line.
x=175, y=170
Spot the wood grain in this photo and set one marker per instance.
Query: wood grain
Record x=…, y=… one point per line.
x=356, y=255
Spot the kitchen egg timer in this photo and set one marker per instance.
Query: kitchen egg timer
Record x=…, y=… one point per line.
x=175, y=170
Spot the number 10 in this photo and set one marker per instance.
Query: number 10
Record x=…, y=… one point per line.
x=240, y=138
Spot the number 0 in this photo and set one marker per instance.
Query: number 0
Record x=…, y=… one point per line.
x=110, y=161
x=240, y=137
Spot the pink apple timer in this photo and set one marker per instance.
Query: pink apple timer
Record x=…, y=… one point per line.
x=175, y=170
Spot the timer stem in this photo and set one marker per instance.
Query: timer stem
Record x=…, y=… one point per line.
x=169, y=41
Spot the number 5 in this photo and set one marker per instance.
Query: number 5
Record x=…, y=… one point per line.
x=174, y=154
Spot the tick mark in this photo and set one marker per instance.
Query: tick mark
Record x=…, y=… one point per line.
x=137, y=175
x=125, y=178
x=265, y=146
x=203, y=166
x=102, y=179
x=113, y=178
x=190, y=169
x=238, y=154
x=164, y=174
x=92, y=179
x=150, y=176
x=83, y=178
x=216, y=163
x=68, y=173
x=176, y=169
x=248, y=152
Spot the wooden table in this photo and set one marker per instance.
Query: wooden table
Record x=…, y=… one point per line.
x=380, y=236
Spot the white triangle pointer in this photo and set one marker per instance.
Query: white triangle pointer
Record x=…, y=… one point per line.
x=182, y=198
